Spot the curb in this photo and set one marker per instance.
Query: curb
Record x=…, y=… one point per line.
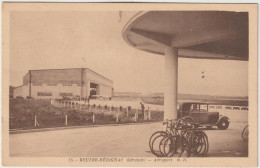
x=19, y=131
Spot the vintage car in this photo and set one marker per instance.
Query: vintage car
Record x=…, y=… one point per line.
x=197, y=112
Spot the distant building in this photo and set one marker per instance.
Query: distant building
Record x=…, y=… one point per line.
x=58, y=83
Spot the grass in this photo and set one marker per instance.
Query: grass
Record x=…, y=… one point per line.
x=22, y=115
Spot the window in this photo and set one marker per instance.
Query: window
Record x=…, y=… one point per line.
x=194, y=108
x=44, y=93
x=203, y=108
x=66, y=94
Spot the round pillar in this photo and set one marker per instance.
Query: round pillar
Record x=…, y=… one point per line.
x=171, y=83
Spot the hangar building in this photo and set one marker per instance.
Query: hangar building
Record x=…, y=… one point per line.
x=57, y=83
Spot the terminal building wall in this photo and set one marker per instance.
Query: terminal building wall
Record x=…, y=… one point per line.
x=57, y=83
x=105, y=85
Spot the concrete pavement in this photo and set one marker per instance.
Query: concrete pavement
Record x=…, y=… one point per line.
x=116, y=141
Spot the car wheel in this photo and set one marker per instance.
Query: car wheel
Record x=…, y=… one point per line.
x=188, y=120
x=223, y=124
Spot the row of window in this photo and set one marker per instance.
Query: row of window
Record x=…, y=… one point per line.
x=44, y=94
x=55, y=83
x=50, y=94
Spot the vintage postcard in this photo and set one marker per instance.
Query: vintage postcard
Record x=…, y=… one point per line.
x=129, y=84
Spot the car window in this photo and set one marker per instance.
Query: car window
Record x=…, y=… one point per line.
x=194, y=108
x=203, y=108
x=186, y=107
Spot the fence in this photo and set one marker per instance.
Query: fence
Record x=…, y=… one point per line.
x=115, y=113
x=42, y=113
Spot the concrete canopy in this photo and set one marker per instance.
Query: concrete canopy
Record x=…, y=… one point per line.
x=190, y=34
x=196, y=34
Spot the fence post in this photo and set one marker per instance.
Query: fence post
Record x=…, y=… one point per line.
x=149, y=114
x=66, y=120
x=35, y=120
x=75, y=105
x=144, y=115
x=135, y=117
x=93, y=118
x=126, y=111
x=117, y=117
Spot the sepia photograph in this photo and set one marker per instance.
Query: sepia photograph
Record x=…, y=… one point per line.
x=112, y=84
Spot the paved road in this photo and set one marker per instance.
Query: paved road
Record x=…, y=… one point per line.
x=121, y=140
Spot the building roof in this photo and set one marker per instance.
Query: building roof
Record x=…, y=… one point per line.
x=74, y=68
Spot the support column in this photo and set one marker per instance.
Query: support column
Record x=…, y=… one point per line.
x=171, y=83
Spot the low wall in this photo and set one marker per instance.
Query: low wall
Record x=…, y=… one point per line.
x=235, y=115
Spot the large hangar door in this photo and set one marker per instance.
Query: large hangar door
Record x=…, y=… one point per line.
x=94, y=89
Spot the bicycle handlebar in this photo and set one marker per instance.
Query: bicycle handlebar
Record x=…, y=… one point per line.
x=179, y=123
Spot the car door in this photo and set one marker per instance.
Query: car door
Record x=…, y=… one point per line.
x=199, y=113
x=204, y=114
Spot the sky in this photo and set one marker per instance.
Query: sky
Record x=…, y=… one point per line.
x=53, y=40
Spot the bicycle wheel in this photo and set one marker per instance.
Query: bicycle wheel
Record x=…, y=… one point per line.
x=207, y=142
x=199, y=144
x=155, y=149
x=186, y=144
x=171, y=146
x=245, y=134
x=161, y=146
x=153, y=136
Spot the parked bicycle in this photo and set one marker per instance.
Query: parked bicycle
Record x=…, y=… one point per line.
x=245, y=134
x=180, y=139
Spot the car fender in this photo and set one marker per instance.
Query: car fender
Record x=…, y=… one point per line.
x=187, y=117
x=222, y=118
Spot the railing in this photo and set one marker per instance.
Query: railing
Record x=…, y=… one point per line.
x=104, y=107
